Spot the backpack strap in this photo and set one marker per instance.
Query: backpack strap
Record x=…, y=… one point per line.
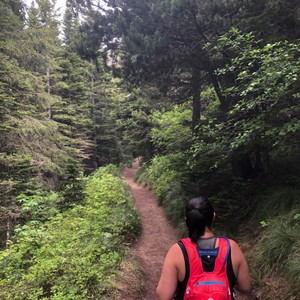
x=224, y=252
x=225, y=241
x=221, y=253
x=193, y=258
x=182, y=285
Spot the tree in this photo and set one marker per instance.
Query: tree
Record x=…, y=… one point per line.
x=164, y=43
x=15, y=85
x=33, y=152
x=272, y=20
x=134, y=124
x=264, y=116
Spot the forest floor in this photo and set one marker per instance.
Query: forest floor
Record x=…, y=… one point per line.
x=141, y=268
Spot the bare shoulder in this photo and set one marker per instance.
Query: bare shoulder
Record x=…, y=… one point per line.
x=236, y=251
x=174, y=253
x=233, y=242
x=175, y=248
x=169, y=276
x=234, y=245
x=240, y=268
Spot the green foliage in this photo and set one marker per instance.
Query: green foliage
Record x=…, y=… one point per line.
x=49, y=155
x=273, y=20
x=39, y=207
x=33, y=153
x=275, y=201
x=74, y=84
x=266, y=95
x=75, y=254
x=262, y=109
x=133, y=121
x=278, y=250
x=16, y=171
x=60, y=114
x=107, y=101
x=166, y=176
x=174, y=203
x=171, y=130
x=209, y=150
x=56, y=112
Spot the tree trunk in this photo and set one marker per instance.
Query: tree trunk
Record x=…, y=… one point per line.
x=196, y=88
x=266, y=163
x=216, y=84
x=8, y=229
x=210, y=68
x=241, y=166
x=49, y=92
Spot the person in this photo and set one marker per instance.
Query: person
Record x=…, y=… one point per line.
x=199, y=216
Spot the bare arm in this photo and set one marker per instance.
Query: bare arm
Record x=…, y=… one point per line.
x=167, y=285
x=243, y=282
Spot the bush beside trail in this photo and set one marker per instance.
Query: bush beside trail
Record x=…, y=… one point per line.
x=76, y=254
x=271, y=222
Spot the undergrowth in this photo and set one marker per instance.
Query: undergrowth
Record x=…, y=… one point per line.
x=75, y=254
x=275, y=201
x=165, y=178
x=277, y=252
x=266, y=214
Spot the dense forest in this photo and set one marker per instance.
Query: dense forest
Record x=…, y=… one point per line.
x=205, y=92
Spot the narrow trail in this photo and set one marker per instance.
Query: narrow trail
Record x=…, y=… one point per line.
x=156, y=237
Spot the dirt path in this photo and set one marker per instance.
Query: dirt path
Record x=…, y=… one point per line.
x=156, y=238
x=149, y=252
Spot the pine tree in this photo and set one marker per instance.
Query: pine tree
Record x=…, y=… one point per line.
x=16, y=86
x=164, y=43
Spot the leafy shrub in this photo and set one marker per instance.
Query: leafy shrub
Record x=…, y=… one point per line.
x=209, y=153
x=175, y=203
x=171, y=131
x=275, y=201
x=76, y=254
x=166, y=175
x=40, y=206
x=162, y=171
x=278, y=250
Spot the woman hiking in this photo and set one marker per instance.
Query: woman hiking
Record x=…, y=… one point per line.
x=203, y=266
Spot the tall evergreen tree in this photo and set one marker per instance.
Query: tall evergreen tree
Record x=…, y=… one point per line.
x=271, y=20
x=164, y=42
x=33, y=153
x=73, y=112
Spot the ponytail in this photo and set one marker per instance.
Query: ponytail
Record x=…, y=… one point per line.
x=199, y=215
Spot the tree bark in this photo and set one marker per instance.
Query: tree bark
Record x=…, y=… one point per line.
x=216, y=84
x=210, y=69
x=8, y=230
x=49, y=92
x=241, y=166
x=196, y=88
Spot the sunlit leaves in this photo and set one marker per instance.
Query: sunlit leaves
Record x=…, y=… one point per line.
x=266, y=90
x=171, y=130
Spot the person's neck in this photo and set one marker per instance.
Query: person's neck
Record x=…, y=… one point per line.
x=207, y=234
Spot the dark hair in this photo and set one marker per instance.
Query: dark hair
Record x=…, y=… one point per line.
x=199, y=214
